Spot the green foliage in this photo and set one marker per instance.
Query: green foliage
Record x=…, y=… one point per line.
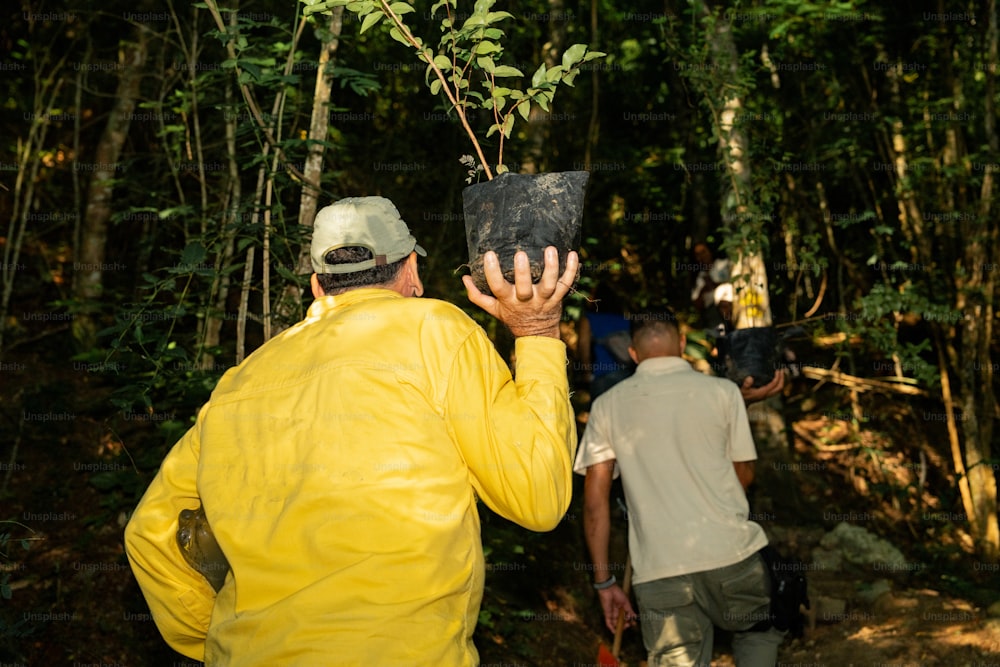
x=877, y=322
x=469, y=57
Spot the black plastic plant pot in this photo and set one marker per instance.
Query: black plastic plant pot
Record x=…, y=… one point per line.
x=525, y=212
x=752, y=351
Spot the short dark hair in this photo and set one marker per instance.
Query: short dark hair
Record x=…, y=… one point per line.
x=653, y=317
x=338, y=283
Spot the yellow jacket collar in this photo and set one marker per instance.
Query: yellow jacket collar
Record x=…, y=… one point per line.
x=326, y=304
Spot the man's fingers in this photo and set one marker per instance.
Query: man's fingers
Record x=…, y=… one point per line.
x=494, y=275
x=551, y=286
x=568, y=276
x=523, y=287
x=484, y=301
x=550, y=272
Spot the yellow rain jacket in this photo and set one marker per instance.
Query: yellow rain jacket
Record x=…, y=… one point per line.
x=339, y=467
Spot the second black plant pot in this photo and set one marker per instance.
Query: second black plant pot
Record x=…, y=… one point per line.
x=525, y=212
x=752, y=351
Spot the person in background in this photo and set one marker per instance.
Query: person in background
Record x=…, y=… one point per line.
x=602, y=345
x=711, y=272
x=681, y=442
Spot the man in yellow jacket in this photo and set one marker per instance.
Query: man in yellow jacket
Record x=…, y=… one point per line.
x=339, y=465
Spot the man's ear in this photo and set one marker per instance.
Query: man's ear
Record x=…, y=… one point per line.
x=414, y=275
x=316, y=289
x=633, y=354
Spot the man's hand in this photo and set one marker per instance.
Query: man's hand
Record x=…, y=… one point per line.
x=752, y=395
x=613, y=601
x=527, y=309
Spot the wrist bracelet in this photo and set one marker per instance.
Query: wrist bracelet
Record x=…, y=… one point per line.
x=607, y=583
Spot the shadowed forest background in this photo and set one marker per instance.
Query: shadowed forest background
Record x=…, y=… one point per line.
x=161, y=163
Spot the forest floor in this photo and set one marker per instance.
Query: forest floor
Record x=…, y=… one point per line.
x=73, y=600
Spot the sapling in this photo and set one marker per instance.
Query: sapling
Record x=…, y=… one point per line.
x=467, y=58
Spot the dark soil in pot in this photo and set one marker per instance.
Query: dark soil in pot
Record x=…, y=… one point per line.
x=523, y=212
x=753, y=352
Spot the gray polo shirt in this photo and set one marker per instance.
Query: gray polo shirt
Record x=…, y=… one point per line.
x=674, y=434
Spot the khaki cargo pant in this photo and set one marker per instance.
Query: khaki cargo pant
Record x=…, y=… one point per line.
x=677, y=615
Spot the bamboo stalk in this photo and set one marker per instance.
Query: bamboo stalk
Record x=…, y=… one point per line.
x=823, y=447
x=859, y=383
x=953, y=440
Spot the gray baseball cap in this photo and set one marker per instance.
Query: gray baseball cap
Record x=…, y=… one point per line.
x=368, y=222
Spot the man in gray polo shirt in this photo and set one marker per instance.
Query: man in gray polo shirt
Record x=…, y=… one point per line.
x=682, y=444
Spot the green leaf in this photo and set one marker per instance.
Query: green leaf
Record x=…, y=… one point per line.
x=443, y=63
x=495, y=17
x=569, y=77
x=506, y=70
x=538, y=78
x=473, y=22
x=398, y=36
x=508, y=125
x=401, y=8
x=593, y=55
x=194, y=253
x=573, y=55
x=435, y=86
x=486, y=47
x=485, y=63
x=493, y=128
x=554, y=73
x=251, y=69
x=524, y=109
x=323, y=6
x=371, y=20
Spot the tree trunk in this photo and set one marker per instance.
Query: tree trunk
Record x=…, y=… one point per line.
x=290, y=307
x=219, y=292
x=976, y=299
x=89, y=272
x=740, y=212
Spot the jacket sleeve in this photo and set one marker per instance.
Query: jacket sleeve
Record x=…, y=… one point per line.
x=178, y=596
x=517, y=438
